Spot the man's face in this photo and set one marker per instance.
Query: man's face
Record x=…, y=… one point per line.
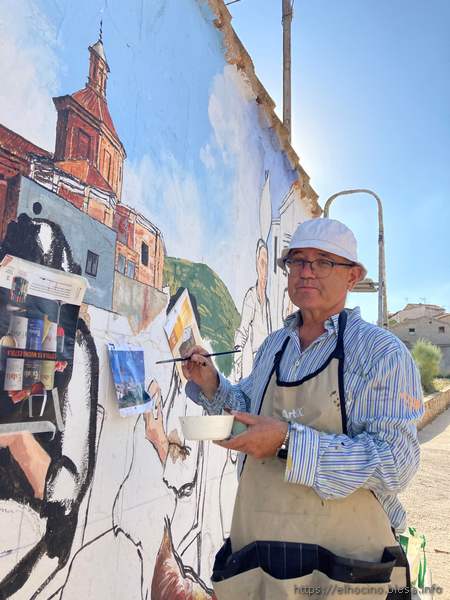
x=328, y=294
x=261, y=267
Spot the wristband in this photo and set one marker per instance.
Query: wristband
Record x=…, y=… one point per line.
x=282, y=451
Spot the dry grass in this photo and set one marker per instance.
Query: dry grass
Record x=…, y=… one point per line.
x=440, y=383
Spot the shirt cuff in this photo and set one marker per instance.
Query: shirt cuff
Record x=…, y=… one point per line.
x=217, y=402
x=193, y=391
x=223, y=391
x=303, y=455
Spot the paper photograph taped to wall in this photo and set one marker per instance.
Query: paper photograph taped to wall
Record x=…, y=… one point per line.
x=182, y=329
x=128, y=371
x=39, y=309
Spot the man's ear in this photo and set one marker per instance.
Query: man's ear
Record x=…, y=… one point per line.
x=354, y=276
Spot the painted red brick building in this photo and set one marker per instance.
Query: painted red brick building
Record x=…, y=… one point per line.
x=86, y=169
x=139, y=250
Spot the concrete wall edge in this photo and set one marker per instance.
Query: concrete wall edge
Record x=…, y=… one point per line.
x=435, y=404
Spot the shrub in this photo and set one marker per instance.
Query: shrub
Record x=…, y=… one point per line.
x=428, y=358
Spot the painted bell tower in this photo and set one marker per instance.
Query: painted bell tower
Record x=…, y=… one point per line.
x=98, y=67
x=87, y=144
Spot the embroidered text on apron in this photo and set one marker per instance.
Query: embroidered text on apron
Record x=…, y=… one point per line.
x=286, y=541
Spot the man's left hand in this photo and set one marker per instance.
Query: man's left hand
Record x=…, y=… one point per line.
x=263, y=437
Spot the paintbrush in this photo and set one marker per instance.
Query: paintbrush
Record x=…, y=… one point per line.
x=173, y=360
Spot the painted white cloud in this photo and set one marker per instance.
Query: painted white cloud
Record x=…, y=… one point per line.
x=235, y=143
x=28, y=72
x=207, y=157
x=169, y=197
x=230, y=106
x=233, y=158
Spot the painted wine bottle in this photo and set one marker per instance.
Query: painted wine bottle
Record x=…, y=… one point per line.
x=35, y=331
x=49, y=344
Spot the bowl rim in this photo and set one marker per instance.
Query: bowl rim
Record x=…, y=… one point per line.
x=197, y=427
x=192, y=417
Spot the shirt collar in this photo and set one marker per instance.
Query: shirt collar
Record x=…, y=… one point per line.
x=331, y=324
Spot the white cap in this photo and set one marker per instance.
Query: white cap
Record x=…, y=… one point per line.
x=325, y=234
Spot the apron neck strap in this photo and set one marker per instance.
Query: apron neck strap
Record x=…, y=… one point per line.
x=280, y=353
x=342, y=322
x=339, y=349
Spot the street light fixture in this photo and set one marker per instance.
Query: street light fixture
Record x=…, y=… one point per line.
x=368, y=285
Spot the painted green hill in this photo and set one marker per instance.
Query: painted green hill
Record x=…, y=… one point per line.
x=219, y=317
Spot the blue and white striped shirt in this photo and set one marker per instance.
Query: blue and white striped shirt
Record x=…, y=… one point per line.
x=383, y=398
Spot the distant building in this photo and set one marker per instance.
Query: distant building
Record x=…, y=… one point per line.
x=424, y=321
x=126, y=256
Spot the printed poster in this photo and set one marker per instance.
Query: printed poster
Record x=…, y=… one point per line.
x=39, y=309
x=128, y=371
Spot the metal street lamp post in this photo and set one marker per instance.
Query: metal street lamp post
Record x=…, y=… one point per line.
x=367, y=285
x=287, y=13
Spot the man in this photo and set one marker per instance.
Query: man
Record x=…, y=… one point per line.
x=330, y=409
x=256, y=322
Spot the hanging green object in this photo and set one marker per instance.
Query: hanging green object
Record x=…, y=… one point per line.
x=413, y=543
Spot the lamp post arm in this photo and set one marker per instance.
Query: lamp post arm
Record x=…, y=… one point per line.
x=382, y=293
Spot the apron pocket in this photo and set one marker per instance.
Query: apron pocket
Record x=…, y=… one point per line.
x=255, y=584
x=245, y=586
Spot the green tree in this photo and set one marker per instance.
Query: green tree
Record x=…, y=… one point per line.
x=428, y=358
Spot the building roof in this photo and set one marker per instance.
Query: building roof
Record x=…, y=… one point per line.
x=418, y=310
x=424, y=305
x=85, y=172
x=445, y=317
x=415, y=318
x=126, y=211
x=100, y=50
x=18, y=145
x=96, y=106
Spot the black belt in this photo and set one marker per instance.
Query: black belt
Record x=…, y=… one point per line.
x=288, y=560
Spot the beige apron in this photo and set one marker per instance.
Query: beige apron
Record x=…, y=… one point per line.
x=269, y=509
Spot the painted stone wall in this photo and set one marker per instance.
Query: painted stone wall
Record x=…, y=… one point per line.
x=146, y=156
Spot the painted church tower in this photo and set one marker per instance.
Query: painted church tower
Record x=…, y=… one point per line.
x=87, y=144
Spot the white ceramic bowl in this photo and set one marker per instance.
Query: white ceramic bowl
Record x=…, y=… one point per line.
x=208, y=427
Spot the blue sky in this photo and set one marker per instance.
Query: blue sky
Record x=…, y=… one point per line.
x=371, y=109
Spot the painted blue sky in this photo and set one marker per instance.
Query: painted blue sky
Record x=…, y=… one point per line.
x=371, y=109
x=196, y=157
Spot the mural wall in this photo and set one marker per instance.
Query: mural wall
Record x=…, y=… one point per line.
x=139, y=150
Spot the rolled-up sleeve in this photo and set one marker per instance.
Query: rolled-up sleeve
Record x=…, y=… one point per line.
x=226, y=396
x=235, y=397
x=381, y=453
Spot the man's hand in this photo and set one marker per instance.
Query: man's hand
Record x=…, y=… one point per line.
x=154, y=426
x=201, y=370
x=263, y=437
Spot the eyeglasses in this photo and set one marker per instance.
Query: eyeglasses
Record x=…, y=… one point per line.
x=321, y=267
